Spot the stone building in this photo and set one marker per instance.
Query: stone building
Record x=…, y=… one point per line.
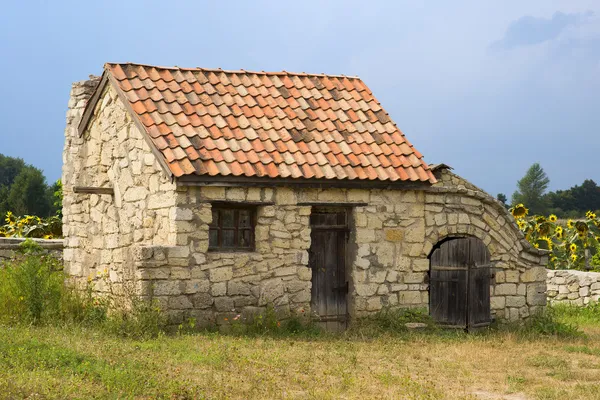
x=223, y=192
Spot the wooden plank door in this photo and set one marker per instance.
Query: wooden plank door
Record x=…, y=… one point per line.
x=448, y=283
x=327, y=258
x=479, y=284
x=459, y=290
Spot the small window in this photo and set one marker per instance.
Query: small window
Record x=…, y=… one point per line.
x=232, y=228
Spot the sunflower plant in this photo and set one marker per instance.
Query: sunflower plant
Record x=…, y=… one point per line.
x=571, y=245
x=31, y=226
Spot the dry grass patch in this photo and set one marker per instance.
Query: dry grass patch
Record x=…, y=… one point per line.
x=62, y=363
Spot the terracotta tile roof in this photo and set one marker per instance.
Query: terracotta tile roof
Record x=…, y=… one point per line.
x=278, y=125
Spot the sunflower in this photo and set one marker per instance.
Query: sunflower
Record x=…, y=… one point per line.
x=581, y=227
x=553, y=259
x=573, y=247
x=519, y=211
x=540, y=219
x=521, y=224
x=590, y=215
x=548, y=242
x=552, y=218
x=559, y=229
x=574, y=257
x=544, y=229
x=544, y=243
x=570, y=224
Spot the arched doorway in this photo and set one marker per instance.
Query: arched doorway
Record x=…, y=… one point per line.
x=459, y=283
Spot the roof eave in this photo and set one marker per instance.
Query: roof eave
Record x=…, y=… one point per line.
x=245, y=181
x=88, y=111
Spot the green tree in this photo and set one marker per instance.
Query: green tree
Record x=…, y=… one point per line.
x=10, y=167
x=23, y=189
x=29, y=194
x=501, y=197
x=531, y=189
x=577, y=200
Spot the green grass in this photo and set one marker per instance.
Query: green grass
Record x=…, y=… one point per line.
x=61, y=344
x=76, y=361
x=582, y=316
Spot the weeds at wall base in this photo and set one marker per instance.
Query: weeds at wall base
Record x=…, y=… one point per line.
x=33, y=292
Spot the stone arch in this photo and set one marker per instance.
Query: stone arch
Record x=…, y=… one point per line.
x=438, y=235
x=456, y=208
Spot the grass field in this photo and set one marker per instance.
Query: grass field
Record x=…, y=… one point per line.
x=40, y=363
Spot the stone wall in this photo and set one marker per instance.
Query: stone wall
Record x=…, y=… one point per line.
x=388, y=262
x=8, y=247
x=455, y=207
x=190, y=281
x=100, y=230
x=573, y=287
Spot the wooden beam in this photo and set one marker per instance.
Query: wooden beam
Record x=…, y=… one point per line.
x=325, y=204
x=238, y=202
x=88, y=111
x=93, y=190
x=242, y=181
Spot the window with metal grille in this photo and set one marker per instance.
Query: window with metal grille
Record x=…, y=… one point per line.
x=232, y=228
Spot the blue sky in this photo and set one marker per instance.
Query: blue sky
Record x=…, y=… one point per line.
x=486, y=87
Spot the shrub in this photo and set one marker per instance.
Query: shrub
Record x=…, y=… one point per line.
x=141, y=319
x=33, y=290
x=589, y=314
x=31, y=286
x=544, y=323
x=547, y=324
x=269, y=323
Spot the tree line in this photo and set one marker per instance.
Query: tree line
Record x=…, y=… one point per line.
x=24, y=190
x=571, y=203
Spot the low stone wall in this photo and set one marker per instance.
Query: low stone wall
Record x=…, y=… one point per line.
x=8, y=246
x=573, y=287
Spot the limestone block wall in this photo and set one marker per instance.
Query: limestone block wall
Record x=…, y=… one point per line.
x=100, y=229
x=573, y=287
x=190, y=281
x=454, y=207
x=384, y=265
x=389, y=268
x=8, y=247
x=387, y=264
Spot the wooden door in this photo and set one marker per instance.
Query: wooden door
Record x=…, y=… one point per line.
x=327, y=259
x=459, y=289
